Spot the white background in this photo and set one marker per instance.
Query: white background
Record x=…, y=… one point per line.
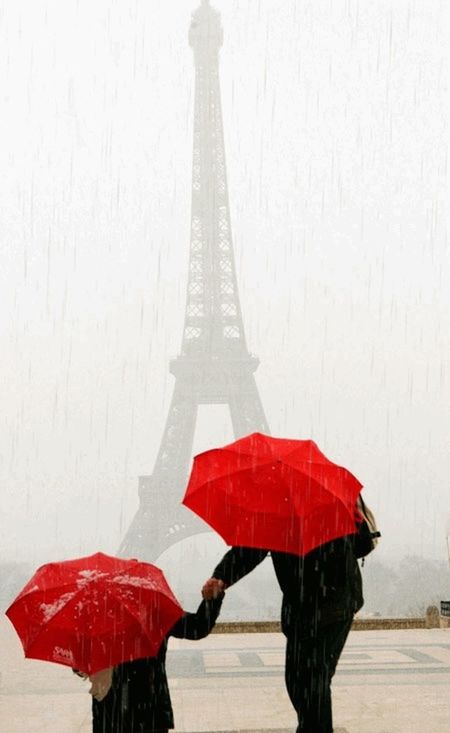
x=336, y=152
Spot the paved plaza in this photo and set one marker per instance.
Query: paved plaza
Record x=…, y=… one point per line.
x=387, y=682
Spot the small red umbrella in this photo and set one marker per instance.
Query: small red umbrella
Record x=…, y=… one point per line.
x=273, y=493
x=94, y=612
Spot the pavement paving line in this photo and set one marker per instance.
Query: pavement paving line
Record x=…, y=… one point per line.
x=361, y=671
x=261, y=730
x=349, y=649
x=418, y=656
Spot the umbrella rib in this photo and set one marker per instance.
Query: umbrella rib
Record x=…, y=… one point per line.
x=60, y=610
x=61, y=586
x=138, y=620
x=229, y=450
x=235, y=471
x=344, y=505
x=316, y=483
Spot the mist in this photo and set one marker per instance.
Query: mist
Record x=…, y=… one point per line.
x=336, y=157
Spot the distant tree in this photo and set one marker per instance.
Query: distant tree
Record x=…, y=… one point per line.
x=380, y=583
x=406, y=588
x=422, y=582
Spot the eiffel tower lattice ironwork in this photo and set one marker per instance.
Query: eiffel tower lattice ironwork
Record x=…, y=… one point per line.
x=214, y=366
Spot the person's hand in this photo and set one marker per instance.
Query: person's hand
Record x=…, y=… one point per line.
x=101, y=683
x=212, y=589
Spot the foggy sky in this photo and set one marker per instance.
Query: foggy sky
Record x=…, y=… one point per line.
x=336, y=155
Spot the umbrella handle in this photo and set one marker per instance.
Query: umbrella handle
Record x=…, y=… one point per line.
x=83, y=675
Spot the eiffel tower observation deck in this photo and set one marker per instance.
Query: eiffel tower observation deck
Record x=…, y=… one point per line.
x=214, y=365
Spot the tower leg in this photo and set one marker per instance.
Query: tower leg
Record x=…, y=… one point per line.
x=161, y=520
x=246, y=410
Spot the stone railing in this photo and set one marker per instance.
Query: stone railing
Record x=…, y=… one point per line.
x=431, y=620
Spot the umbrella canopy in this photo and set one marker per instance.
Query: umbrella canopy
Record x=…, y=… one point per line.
x=273, y=493
x=94, y=612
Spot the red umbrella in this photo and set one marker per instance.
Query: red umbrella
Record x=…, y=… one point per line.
x=94, y=612
x=273, y=493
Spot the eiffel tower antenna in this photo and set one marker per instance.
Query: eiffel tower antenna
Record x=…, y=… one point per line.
x=214, y=366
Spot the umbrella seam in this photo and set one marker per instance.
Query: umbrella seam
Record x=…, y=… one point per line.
x=138, y=620
x=236, y=471
x=60, y=610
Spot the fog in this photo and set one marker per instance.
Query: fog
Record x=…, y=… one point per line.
x=336, y=150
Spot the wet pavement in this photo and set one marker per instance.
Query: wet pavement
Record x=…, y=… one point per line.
x=387, y=682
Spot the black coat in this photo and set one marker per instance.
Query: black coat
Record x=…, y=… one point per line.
x=320, y=588
x=139, y=698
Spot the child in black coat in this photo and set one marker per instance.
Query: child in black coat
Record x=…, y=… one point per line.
x=134, y=696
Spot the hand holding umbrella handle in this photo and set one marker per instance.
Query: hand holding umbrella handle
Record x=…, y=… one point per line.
x=101, y=683
x=213, y=588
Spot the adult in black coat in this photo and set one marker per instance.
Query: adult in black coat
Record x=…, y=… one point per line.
x=321, y=593
x=139, y=699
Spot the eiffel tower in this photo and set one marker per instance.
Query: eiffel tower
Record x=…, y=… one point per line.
x=214, y=366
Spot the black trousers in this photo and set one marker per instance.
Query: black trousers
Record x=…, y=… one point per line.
x=310, y=665
x=109, y=717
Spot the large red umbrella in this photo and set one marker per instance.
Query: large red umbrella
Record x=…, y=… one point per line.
x=94, y=612
x=273, y=493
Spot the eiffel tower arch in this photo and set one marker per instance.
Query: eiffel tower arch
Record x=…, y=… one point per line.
x=214, y=365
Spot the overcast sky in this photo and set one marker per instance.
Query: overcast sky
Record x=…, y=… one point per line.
x=336, y=153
